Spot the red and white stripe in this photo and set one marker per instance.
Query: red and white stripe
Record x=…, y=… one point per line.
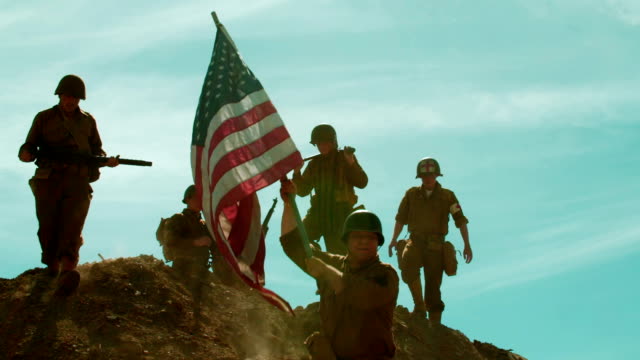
x=247, y=148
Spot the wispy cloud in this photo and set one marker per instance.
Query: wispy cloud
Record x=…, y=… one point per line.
x=628, y=11
x=109, y=33
x=474, y=110
x=557, y=250
x=625, y=11
x=10, y=17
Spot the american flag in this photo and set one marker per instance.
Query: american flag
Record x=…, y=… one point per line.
x=239, y=146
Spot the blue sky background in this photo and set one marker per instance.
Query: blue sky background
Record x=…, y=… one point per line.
x=530, y=106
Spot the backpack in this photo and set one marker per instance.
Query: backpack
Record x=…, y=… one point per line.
x=162, y=237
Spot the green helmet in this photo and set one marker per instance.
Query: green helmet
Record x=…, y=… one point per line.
x=71, y=85
x=363, y=220
x=191, y=190
x=428, y=166
x=323, y=133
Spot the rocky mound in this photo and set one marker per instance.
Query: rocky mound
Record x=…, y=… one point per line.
x=135, y=308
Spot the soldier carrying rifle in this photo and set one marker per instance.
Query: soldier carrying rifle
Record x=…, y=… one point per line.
x=66, y=146
x=332, y=174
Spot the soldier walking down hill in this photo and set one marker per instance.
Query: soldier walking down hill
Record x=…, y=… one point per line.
x=61, y=184
x=426, y=210
x=332, y=175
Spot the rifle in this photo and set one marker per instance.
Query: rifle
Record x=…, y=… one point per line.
x=71, y=157
x=347, y=149
x=265, y=223
x=103, y=159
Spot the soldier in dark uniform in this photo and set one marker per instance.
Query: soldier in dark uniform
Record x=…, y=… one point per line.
x=358, y=293
x=426, y=210
x=188, y=245
x=188, y=239
x=58, y=140
x=332, y=175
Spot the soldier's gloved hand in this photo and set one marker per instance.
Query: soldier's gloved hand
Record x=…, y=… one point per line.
x=26, y=156
x=315, y=267
x=468, y=254
x=392, y=245
x=350, y=157
x=113, y=161
x=287, y=187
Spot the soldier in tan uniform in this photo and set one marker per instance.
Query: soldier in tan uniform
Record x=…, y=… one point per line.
x=426, y=210
x=358, y=293
x=59, y=139
x=332, y=175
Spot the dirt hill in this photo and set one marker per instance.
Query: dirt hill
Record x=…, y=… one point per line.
x=135, y=308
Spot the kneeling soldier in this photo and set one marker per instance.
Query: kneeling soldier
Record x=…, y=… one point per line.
x=358, y=293
x=188, y=242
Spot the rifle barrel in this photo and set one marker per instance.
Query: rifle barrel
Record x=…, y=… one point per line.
x=122, y=161
x=135, y=162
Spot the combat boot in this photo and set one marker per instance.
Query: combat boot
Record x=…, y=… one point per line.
x=419, y=308
x=53, y=268
x=68, y=283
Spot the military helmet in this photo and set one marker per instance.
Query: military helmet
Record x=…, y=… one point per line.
x=71, y=85
x=191, y=190
x=363, y=220
x=428, y=166
x=323, y=133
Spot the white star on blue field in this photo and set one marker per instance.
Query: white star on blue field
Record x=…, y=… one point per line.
x=531, y=108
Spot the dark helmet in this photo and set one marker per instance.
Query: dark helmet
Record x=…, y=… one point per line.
x=71, y=85
x=363, y=220
x=323, y=133
x=191, y=190
x=428, y=166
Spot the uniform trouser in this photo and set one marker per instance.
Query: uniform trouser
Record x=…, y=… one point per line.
x=426, y=254
x=328, y=226
x=319, y=347
x=193, y=270
x=62, y=203
x=221, y=269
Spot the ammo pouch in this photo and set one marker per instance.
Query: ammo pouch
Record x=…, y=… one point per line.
x=449, y=261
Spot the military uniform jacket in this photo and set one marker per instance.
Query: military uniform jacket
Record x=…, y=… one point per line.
x=333, y=180
x=358, y=321
x=52, y=131
x=182, y=229
x=430, y=215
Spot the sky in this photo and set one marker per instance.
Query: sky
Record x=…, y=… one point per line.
x=530, y=107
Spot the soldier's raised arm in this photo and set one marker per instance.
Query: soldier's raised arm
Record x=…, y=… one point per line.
x=290, y=238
